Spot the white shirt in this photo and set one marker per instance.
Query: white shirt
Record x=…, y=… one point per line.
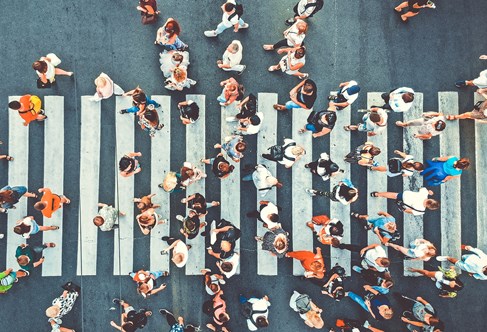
x=233, y=59
x=181, y=247
x=321, y=170
x=293, y=61
x=288, y=152
x=396, y=102
x=292, y=36
x=350, y=98
x=261, y=305
x=474, y=263
x=260, y=176
x=371, y=255
x=374, y=127
x=416, y=199
x=302, y=10
x=235, y=260
x=225, y=16
x=251, y=129
x=481, y=81
x=269, y=209
x=27, y=221
x=429, y=126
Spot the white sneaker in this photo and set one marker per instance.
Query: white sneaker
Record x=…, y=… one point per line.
x=179, y=217
x=231, y=119
x=311, y=192
x=244, y=26
x=2, y=236
x=210, y=33
x=441, y=258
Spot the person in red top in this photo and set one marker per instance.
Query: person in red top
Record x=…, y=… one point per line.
x=50, y=202
x=29, y=108
x=313, y=264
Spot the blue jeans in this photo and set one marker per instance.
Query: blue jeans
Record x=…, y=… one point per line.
x=221, y=27
x=243, y=299
x=359, y=300
x=135, y=109
x=178, y=45
x=291, y=104
x=248, y=177
x=311, y=127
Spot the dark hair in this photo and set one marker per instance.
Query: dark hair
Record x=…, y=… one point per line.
x=418, y=166
x=375, y=151
x=274, y=217
x=374, y=117
x=484, y=270
x=214, y=287
x=432, y=204
x=39, y=206
x=408, y=97
x=339, y=294
x=301, y=51
x=440, y=125
x=254, y=120
x=308, y=86
x=15, y=105
x=388, y=283
x=22, y=229
x=229, y=6
x=336, y=229
x=126, y=162
x=98, y=221
x=190, y=224
x=241, y=146
x=177, y=57
x=173, y=27
x=151, y=116
x=384, y=261
x=139, y=97
x=40, y=66
x=129, y=327
x=261, y=321
x=463, y=163
x=223, y=317
x=186, y=173
x=226, y=266
x=333, y=168
x=7, y=196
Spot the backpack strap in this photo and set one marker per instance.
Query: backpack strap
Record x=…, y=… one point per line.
x=409, y=206
x=284, y=151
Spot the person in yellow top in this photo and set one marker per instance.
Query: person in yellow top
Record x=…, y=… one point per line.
x=50, y=202
x=29, y=108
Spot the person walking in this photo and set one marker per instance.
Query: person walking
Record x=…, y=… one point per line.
x=405, y=165
x=232, y=57
x=398, y=100
x=180, y=251
x=479, y=82
x=62, y=305
x=232, y=17
x=223, y=238
x=413, y=8
x=216, y=308
x=190, y=225
x=328, y=231
x=334, y=287
x=130, y=319
x=148, y=11
x=9, y=196
x=129, y=165
x=302, y=95
x=230, y=92
x=475, y=263
x=374, y=257
x=374, y=122
x=29, y=108
x=107, y=217
x=28, y=226
x=197, y=203
x=292, y=62
x=286, y=154
x=213, y=281
x=263, y=179
x=478, y=114
x=30, y=257
x=146, y=282
x=307, y=309
x=50, y=202
x=9, y=277
x=442, y=169
x=179, y=80
x=168, y=36
x=344, y=192
x=251, y=125
x=347, y=93
x=170, y=60
x=446, y=280
x=376, y=304
x=149, y=219
x=421, y=315
x=145, y=202
x=219, y=166
x=105, y=87
x=363, y=155
x=313, y=264
x=275, y=241
x=177, y=325
x=324, y=167
x=268, y=214
x=304, y=9
x=140, y=102
x=384, y=225
x=293, y=37
x=320, y=123
x=46, y=69
x=430, y=124
x=413, y=202
x=418, y=250
x=257, y=311
x=189, y=112
x=234, y=146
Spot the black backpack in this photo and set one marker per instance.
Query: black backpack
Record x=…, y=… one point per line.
x=239, y=11
x=318, y=5
x=394, y=165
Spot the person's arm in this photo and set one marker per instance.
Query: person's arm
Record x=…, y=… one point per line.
x=318, y=254
x=476, y=251
x=369, y=309
x=423, y=136
x=131, y=92
x=171, y=246
x=214, y=254
x=157, y=290
x=382, y=239
x=322, y=133
x=144, y=230
x=342, y=104
x=134, y=154
x=103, y=205
x=369, y=288
x=39, y=262
x=333, y=277
x=113, y=324
x=243, y=102
x=372, y=246
x=223, y=229
x=412, y=322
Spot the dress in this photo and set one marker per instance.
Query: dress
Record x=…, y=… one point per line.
x=286, y=63
x=65, y=304
x=109, y=214
x=436, y=171
x=51, y=66
x=268, y=242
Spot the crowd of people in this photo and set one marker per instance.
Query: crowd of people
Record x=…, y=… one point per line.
x=223, y=235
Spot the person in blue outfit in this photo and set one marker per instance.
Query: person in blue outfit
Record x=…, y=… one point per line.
x=177, y=325
x=9, y=196
x=442, y=169
x=140, y=101
x=373, y=302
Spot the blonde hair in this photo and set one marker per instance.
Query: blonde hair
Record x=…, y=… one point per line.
x=179, y=74
x=298, y=151
x=52, y=311
x=100, y=81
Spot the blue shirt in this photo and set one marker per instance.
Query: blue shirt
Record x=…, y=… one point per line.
x=177, y=328
x=380, y=224
x=449, y=167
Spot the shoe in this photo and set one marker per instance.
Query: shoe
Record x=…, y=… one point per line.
x=355, y=215
x=161, y=185
x=366, y=324
x=311, y=192
x=304, y=76
x=441, y=258
x=205, y=270
x=357, y=269
x=460, y=84
x=240, y=72
x=306, y=166
x=231, y=119
x=210, y=33
x=123, y=111
x=2, y=236
x=179, y=217
x=165, y=238
x=330, y=98
x=117, y=301
x=164, y=252
x=244, y=26
x=3, y=210
x=289, y=21
x=165, y=273
x=164, y=312
x=189, y=246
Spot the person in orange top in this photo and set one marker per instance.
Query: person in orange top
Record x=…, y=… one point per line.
x=50, y=202
x=314, y=265
x=29, y=108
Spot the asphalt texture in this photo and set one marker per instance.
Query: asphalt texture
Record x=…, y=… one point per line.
x=348, y=39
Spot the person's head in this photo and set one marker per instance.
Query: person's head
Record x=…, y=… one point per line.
x=415, y=165
x=100, y=82
x=386, y=312
x=254, y=120
x=308, y=86
x=229, y=7
x=172, y=27
x=143, y=288
x=141, y=206
x=139, y=97
x=484, y=270
x=21, y=229
x=53, y=311
x=431, y=251
x=40, y=66
x=177, y=57
x=315, y=319
x=390, y=226
x=339, y=293
x=280, y=245
x=234, y=47
x=408, y=97
x=375, y=117
x=15, y=105
x=126, y=163
x=374, y=151
x=39, y=206
x=261, y=322
x=463, y=163
x=440, y=125
x=432, y=204
x=302, y=27
x=333, y=168
x=190, y=224
x=274, y=217
x=241, y=146
x=177, y=258
x=336, y=230
x=226, y=266
x=23, y=260
x=215, y=288
x=298, y=151
x=387, y=283
x=383, y=261
x=144, y=219
x=316, y=266
x=128, y=327
x=151, y=116
x=226, y=168
x=179, y=74
x=329, y=118
x=300, y=52
x=352, y=192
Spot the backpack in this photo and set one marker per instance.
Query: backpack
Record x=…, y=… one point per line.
x=277, y=151
x=303, y=303
x=394, y=165
x=318, y=6
x=238, y=12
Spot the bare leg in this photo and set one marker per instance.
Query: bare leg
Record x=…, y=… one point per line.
x=48, y=228
x=60, y=71
x=378, y=168
x=65, y=200
x=408, y=15
x=452, y=260
x=387, y=195
x=401, y=6
x=426, y=273
x=29, y=194
x=41, y=117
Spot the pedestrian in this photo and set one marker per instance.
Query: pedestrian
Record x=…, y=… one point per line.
x=344, y=192
x=228, y=266
x=479, y=112
x=479, y=82
x=105, y=87
x=232, y=57
x=148, y=287
x=247, y=108
x=130, y=319
x=149, y=219
x=223, y=238
x=50, y=202
x=129, y=165
x=475, y=264
x=446, y=281
x=380, y=281
x=419, y=250
x=144, y=203
x=189, y=112
x=230, y=93
x=149, y=121
x=170, y=60
x=376, y=304
x=304, y=9
x=46, y=69
x=374, y=257
x=220, y=166
x=324, y=167
x=233, y=146
x=168, y=36
x=263, y=179
x=148, y=11
x=180, y=251
x=268, y=214
x=313, y=264
x=107, y=217
x=275, y=241
x=363, y=155
x=189, y=174
x=216, y=308
x=334, y=286
x=62, y=305
x=398, y=100
x=413, y=202
x=353, y=325
x=197, y=203
x=29, y=108
x=256, y=311
x=250, y=126
x=28, y=226
x=430, y=124
x=442, y=169
x=293, y=36
x=232, y=17
x=374, y=122
x=302, y=95
x=177, y=325
x=347, y=93
x=9, y=277
x=320, y=123
x=9, y=196
x=405, y=165
x=179, y=80
x=328, y=231
x=420, y=315
x=413, y=8
x=286, y=154
x=190, y=225
x=140, y=102
x=30, y=257
x=384, y=226
x=213, y=281
x=292, y=61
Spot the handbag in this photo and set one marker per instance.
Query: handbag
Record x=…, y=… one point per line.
x=150, y=16
x=42, y=85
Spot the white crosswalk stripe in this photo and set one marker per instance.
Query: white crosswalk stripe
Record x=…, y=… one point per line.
x=481, y=180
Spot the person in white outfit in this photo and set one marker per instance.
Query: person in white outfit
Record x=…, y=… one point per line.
x=258, y=313
x=292, y=62
x=232, y=57
x=172, y=59
x=231, y=17
x=475, y=264
x=263, y=179
x=105, y=88
x=46, y=68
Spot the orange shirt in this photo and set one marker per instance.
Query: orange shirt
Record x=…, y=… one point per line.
x=31, y=106
x=53, y=202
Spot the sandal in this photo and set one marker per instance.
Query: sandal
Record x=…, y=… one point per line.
x=448, y=117
x=9, y=158
x=55, y=228
x=268, y=47
x=374, y=194
x=346, y=128
x=50, y=244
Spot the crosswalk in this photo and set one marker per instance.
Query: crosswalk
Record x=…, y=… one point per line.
x=300, y=211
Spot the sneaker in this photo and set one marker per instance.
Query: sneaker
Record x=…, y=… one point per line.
x=164, y=312
x=311, y=192
x=210, y=33
x=2, y=236
x=366, y=324
x=164, y=252
x=460, y=84
x=165, y=238
x=179, y=217
x=231, y=119
x=289, y=21
x=123, y=111
x=357, y=269
x=441, y=258
x=203, y=271
x=117, y=301
x=244, y=26
x=240, y=72
x=161, y=185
